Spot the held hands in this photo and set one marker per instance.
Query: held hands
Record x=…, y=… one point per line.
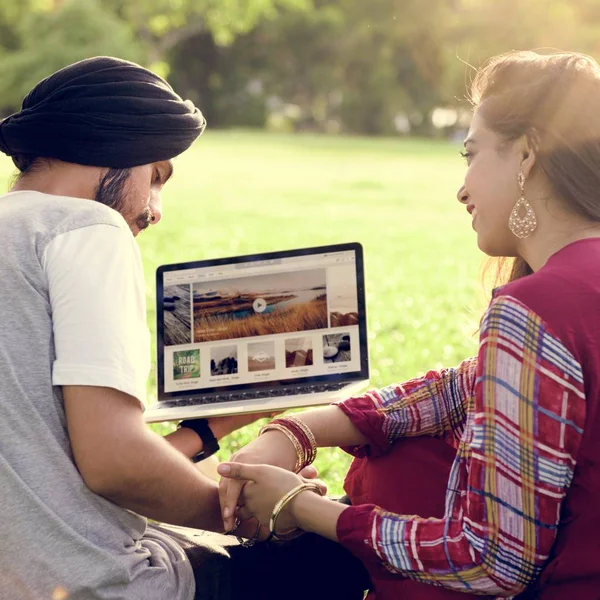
x=283, y=445
x=272, y=448
x=263, y=486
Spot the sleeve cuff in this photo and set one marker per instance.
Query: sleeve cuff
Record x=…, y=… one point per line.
x=355, y=531
x=63, y=374
x=369, y=422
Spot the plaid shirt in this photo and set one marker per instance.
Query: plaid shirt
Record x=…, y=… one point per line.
x=516, y=415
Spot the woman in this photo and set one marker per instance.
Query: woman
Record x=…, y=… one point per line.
x=520, y=515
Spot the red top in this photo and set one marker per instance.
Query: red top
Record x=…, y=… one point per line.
x=524, y=416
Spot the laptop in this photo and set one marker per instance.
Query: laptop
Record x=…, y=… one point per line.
x=264, y=332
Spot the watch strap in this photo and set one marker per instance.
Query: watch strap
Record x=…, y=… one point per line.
x=210, y=444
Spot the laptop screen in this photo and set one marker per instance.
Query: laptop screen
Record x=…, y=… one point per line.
x=263, y=320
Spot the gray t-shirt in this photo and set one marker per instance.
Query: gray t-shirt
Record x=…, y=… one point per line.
x=57, y=536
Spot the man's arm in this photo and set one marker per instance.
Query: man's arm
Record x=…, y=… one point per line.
x=122, y=460
x=188, y=442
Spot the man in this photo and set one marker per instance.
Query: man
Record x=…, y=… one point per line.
x=78, y=466
x=77, y=463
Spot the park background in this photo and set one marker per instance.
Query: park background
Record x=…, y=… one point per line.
x=328, y=121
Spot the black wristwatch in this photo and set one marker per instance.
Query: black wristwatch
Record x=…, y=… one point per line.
x=210, y=445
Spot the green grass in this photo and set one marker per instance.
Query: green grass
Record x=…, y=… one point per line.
x=244, y=192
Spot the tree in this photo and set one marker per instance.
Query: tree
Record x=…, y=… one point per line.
x=477, y=29
x=38, y=37
x=49, y=38
x=162, y=24
x=345, y=65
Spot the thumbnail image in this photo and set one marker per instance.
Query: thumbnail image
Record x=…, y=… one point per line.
x=177, y=315
x=336, y=348
x=298, y=352
x=186, y=364
x=261, y=356
x=224, y=360
x=342, y=296
x=260, y=305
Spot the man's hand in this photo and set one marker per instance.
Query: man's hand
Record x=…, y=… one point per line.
x=271, y=448
x=249, y=529
x=264, y=486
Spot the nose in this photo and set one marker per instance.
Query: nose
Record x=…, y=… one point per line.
x=462, y=195
x=155, y=207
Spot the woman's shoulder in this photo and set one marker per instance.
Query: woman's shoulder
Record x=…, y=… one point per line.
x=566, y=300
x=534, y=288
x=569, y=278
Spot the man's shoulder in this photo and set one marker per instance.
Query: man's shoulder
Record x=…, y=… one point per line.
x=58, y=214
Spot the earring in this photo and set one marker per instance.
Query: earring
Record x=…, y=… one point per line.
x=522, y=226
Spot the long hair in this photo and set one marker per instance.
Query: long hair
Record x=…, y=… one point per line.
x=552, y=99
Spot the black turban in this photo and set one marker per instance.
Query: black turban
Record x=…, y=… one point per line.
x=102, y=112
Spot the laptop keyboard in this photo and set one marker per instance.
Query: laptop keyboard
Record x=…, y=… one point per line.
x=316, y=388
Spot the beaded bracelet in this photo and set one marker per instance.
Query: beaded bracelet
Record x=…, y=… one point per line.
x=282, y=503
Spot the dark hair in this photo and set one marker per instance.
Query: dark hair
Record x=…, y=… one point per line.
x=111, y=189
x=554, y=100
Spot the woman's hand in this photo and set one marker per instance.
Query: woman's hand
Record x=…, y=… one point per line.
x=264, y=486
x=271, y=448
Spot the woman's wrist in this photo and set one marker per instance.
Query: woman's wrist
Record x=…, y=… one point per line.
x=299, y=435
x=318, y=514
x=287, y=454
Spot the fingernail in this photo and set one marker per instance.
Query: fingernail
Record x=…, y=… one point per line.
x=223, y=469
x=227, y=512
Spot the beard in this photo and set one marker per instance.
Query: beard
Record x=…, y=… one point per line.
x=144, y=219
x=112, y=192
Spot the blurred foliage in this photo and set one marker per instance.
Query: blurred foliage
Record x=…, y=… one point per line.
x=371, y=67
x=163, y=24
x=47, y=39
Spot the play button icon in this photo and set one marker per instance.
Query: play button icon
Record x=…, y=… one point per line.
x=259, y=305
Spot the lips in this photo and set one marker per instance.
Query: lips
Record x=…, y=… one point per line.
x=473, y=212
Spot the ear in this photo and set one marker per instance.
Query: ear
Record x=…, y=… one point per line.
x=527, y=154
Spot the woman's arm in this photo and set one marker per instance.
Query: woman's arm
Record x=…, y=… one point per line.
x=514, y=469
x=517, y=464
x=434, y=404
x=430, y=405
